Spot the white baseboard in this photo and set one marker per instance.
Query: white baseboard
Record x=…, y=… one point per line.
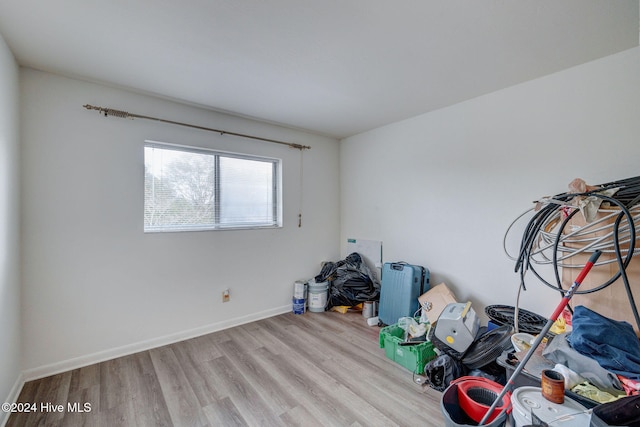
x=12, y=398
x=90, y=359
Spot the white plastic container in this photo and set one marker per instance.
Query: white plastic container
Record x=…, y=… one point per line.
x=527, y=399
x=522, y=341
x=317, y=295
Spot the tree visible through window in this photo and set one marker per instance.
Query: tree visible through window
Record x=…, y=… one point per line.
x=195, y=189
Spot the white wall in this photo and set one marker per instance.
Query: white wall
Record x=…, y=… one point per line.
x=96, y=286
x=10, y=346
x=442, y=188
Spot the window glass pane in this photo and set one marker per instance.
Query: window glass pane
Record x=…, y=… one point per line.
x=246, y=191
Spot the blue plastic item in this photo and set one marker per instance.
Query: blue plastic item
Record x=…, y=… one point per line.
x=401, y=286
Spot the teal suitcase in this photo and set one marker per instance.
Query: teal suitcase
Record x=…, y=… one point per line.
x=400, y=288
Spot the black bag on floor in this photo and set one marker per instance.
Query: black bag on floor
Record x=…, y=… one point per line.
x=442, y=370
x=350, y=280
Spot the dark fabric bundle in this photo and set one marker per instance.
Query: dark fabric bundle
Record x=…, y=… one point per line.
x=622, y=412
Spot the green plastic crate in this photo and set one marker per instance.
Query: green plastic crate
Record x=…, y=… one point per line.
x=412, y=357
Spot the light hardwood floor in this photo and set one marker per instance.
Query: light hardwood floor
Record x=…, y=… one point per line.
x=316, y=369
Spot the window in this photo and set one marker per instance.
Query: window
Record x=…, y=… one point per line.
x=188, y=188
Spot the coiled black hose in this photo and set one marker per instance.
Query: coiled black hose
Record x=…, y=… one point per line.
x=625, y=198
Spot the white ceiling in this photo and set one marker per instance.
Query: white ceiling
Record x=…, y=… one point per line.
x=335, y=67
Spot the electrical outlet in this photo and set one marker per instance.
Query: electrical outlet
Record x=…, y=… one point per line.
x=226, y=297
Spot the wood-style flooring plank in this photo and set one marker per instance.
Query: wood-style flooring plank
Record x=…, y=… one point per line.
x=146, y=392
x=269, y=341
x=244, y=396
x=315, y=369
x=196, y=368
x=224, y=413
x=278, y=397
x=323, y=407
x=300, y=417
x=181, y=401
x=303, y=363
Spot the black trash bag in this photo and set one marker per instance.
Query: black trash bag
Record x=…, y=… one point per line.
x=622, y=412
x=350, y=282
x=442, y=370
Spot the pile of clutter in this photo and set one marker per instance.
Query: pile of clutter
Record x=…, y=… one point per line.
x=586, y=375
x=340, y=286
x=465, y=348
x=599, y=358
x=585, y=372
x=595, y=360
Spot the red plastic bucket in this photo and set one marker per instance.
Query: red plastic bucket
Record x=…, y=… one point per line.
x=477, y=394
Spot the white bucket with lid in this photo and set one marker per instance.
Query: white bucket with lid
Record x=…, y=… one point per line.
x=527, y=399
x=317, y=295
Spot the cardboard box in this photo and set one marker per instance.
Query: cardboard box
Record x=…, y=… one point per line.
x=435, y=300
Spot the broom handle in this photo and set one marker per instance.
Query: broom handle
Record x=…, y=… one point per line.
x=563, y=303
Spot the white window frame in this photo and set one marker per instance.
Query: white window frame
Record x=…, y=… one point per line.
x=276, y=188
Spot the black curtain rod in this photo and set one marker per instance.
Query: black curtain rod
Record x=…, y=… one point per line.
x=126, y=115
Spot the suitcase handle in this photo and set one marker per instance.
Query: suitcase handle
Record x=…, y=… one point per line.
x=398, y=266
